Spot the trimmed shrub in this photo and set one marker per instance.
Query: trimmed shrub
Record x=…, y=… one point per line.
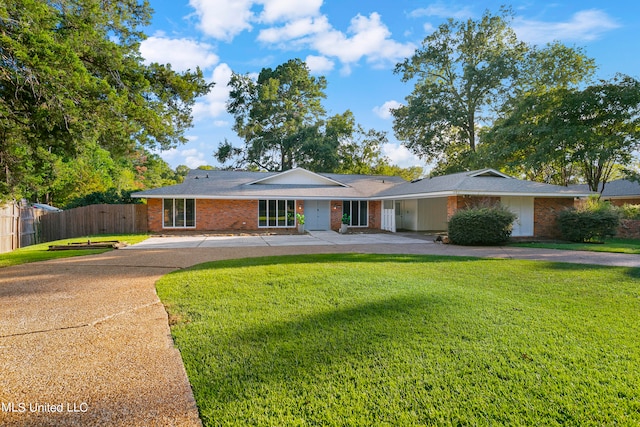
x=592, y=223
x=481, y=226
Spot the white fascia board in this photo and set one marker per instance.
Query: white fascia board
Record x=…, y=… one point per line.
x=480, y=193
x=257, y=197
x=419, y=196
x=520, y=194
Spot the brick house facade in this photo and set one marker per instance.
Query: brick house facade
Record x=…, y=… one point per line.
x=242, y=215
x=252, y=201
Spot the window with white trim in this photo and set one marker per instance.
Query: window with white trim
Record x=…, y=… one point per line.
x=358, y=210
x=276, y=213
x=179, y=213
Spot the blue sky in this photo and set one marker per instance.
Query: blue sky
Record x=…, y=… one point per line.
x=356, y=45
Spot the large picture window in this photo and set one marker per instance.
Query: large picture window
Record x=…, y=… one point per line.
x=179, y=213
x=276, y=213
x=358, y=210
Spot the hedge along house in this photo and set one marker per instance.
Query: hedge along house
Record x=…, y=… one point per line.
x=238, y=200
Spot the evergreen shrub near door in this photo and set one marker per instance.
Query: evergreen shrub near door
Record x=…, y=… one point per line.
x=481, y=226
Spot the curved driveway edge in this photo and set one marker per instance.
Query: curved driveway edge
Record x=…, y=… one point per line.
x=85, y=341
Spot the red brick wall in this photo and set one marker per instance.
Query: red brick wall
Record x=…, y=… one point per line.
x=211, y=215
x=336, y=214
x=545, y=216
x=629, y=229
x=226, y=214
x=154, y=215
x=375, y=214
x=620, y=202
x=219, y=215
x=455, y=203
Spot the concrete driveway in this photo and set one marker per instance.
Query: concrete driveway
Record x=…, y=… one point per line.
x=85, y=341
x=312, y=238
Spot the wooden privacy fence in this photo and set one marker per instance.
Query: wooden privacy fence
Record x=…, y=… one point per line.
x=18, y=226
x=9, y=215
x=92, y=220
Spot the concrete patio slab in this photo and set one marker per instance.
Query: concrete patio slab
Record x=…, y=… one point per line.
x=231, y=241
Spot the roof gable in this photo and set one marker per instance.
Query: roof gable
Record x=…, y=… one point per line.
x=488, y=173
x=297, y=176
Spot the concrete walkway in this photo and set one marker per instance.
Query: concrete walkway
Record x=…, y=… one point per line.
x=85, y=341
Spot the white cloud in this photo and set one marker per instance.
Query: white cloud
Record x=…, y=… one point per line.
x=298, y=31
x=400, y=155
x=182, y=54
x=224, y=19
x=214, y=104
x=384, y=111
x=366, y=37
x=285, y=10
x=441, y=10
x=428, y=28
x=190, y=157
x=193, y=158
x=369, y=38
x=583, y=26
x=319, y=64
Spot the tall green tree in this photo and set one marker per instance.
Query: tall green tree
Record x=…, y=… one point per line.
x=282, y=121
x=583, y=132
x=71, y=75
x=467, y=74
x=462, y=71
x=362, y=154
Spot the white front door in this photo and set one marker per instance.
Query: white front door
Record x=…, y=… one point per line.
x=523, y=208
x=317, y=215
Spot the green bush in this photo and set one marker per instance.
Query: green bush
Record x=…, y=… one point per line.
x=630, y=211
x=481, y=226
x=592, y=223
x=112, y=196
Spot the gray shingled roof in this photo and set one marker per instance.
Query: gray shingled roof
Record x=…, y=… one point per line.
x=617, y=188
x=480, y=182
x=237, y=185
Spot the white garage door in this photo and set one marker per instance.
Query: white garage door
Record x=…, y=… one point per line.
x=523, y=208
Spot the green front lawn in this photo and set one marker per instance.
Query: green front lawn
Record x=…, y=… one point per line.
x=627, y=246
x=40, y=252
x=395, y=340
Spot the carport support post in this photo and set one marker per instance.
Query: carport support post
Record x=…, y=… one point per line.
x=452, y=206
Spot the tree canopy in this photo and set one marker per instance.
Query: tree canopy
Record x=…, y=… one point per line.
x=568, y=133
x=282, y=121
x=72, y=78
x=466, y=73
x=462, y=70
x=283, y=124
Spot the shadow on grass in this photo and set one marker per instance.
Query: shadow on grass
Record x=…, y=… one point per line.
x=284, y=352
x=328, y=258
x=632, y=272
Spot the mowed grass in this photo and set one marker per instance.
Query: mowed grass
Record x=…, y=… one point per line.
x=384, y=340
x=40, y=252
x=626, y=246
